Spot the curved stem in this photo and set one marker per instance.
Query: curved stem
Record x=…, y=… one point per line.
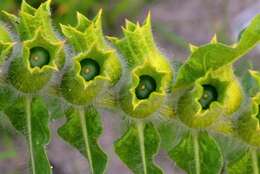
x=29, y=129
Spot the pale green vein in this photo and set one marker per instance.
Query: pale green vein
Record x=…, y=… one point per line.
x=29, y=129
x=254, y=160
x=85, y=137
x=196, y=152
x=140, y=129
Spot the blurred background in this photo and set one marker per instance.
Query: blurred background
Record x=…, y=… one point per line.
x=176, y=23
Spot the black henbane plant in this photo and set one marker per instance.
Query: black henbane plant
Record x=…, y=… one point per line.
x=29, y=73
x=208, y=102
x=211, y=94
x=94, y=69
x=150, y=77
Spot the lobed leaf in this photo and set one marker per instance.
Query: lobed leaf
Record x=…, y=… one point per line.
x=198, y=153
x=137, y=148
x=82, y=130
x=30, y=117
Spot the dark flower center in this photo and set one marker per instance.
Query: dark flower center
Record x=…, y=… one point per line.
x=209, y=95
x=89, y=69
x=146, y=86
x=39, y=57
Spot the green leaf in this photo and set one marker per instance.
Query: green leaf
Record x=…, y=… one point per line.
x=82, y=130
x=198, y=153
x=138, y=147
x=248, y=162
x=215, y=55
x=30, y=117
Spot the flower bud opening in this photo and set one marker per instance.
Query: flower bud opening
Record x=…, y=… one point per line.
x=89, y=69
x=209, y=95
x=146, y=86
x=39, y=57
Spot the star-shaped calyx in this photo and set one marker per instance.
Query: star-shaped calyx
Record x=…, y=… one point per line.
x=41, y=54
x=213, y=95
x=40, y=58
x=92, y=72
x=147, y=89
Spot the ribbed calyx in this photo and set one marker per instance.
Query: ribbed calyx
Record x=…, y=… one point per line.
x=42, y=52
x=217, y=93
x=96, y=66
x=211, y=64
x=143, y=59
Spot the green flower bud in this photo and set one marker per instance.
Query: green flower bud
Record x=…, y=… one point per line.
x=211, y=64
x=149, y=70
x=95, y=68
x=42, y=52
x=218, y=93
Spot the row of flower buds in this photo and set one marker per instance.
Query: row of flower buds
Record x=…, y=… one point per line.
x=203, y=94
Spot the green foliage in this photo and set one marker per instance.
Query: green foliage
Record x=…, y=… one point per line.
x=202, y=105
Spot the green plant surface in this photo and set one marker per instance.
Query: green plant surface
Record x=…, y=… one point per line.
x=203, y=112
x=248, y=162
x=95, y=69
x=212, y=91
x=82, y=130
x=150, y=80
x=30, y=117
x=28, y=74
x=137, y=148
x=6, y=43
x=196, y=153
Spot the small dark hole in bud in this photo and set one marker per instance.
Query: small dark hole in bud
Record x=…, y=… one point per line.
x=146, y=86
x=89, y=69
x=209, y=95
x=39, y=57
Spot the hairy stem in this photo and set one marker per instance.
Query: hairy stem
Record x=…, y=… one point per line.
x=29, y=129
x=196, y=152
x=140, y=128
x=85, y=137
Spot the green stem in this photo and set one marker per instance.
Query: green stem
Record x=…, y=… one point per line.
x=29, y=129
x=254, y=160
x=85, y=136
x=140, y=128
x=196, y=152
